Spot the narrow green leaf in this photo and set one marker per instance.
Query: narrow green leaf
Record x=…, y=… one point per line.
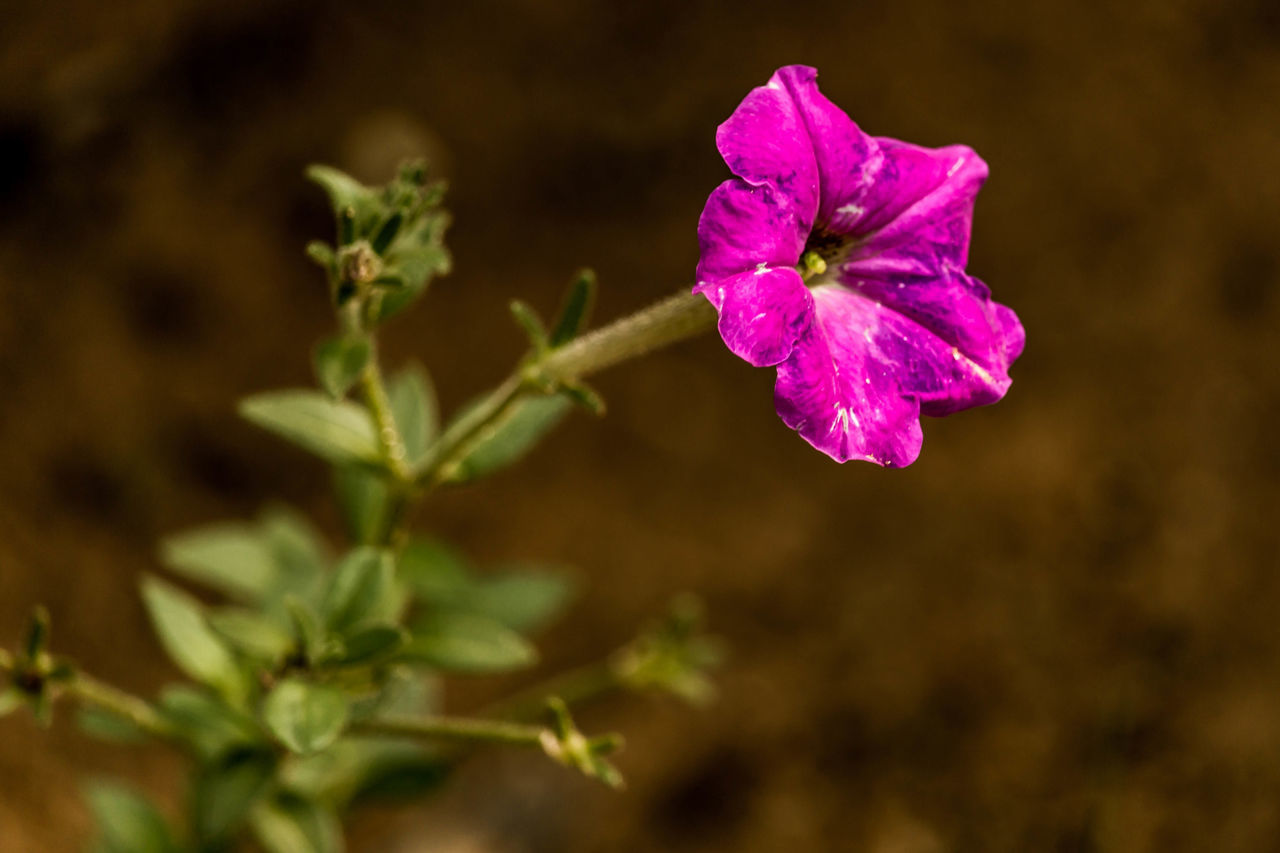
x=463, y=642
x=576, y=310
x=522, y=600
x=362, y=498
x=231, y=558
x=414, y=406
x=336, y=430
x=127, y=822
x=511, y=438
x=362, y=588
x=529, y=320
x=585, y=396
x=224, y=792
x=305, y=717
x=338, y=362
x=291, y=824
x=254, y=633
x=37, y=633
x=180, y=625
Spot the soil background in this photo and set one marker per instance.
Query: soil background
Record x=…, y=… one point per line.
x=1056, y=632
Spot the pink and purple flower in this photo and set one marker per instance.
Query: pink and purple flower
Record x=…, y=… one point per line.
x=839, y=258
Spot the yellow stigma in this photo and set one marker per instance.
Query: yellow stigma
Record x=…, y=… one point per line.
x=811, y=264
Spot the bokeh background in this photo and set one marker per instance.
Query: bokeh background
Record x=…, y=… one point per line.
x=1056, y=632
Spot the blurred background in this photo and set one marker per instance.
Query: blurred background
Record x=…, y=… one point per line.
x=1055, y=632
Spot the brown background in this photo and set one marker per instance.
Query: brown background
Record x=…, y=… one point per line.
x=1056, y=632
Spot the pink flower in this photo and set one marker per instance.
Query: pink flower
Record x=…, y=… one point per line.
x=839, y=258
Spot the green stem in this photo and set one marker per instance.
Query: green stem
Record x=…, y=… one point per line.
x=463, y=729
x=89, y=691
x=667, y=322
x=674, y=319
x=379, y=404
x=463, y=432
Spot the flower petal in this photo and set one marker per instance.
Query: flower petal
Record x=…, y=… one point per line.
x=766, y=141
x=847, y=159
x=923, y=197
x=955, y=307
x=762, y=313
x=743, y=226
x=857, y=381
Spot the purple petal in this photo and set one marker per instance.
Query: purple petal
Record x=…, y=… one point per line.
x=847, y=159
x=921, y=196
x=743, y=226
x=766, y=142
x=955, y=307
x=857, y=381
x=762, y=313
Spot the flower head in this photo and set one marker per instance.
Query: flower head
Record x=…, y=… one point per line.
x=839, y=257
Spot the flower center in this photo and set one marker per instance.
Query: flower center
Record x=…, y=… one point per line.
x=822, y=251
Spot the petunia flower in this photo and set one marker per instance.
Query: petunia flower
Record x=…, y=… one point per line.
x=839, y=258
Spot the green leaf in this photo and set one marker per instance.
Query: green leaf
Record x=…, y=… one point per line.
x=434, y=571
x=402, y=777
x=254, y=633
x=109, y=727
x=339, y=361
x=301, y=553
x=211, y=726
x=305, y=717
x=179, y=622
x=291, y=824
x=349, y=198
x=417, y=415
x=522, y=600
x=362, y=498
x=306, y=627
x=362, y=589
x=337, y=430
x=231, y=558
x=369, y=643
x=127, y=823
x=224, y=792
x=529, y=320
x=37, y=633
x=576, y=310
x=511, y=438
x=464, y=642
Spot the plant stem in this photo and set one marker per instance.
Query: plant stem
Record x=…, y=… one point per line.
x=667, y=322
x=463, y=432
x=464, y=729
x=379, y=405
x=89, y=691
